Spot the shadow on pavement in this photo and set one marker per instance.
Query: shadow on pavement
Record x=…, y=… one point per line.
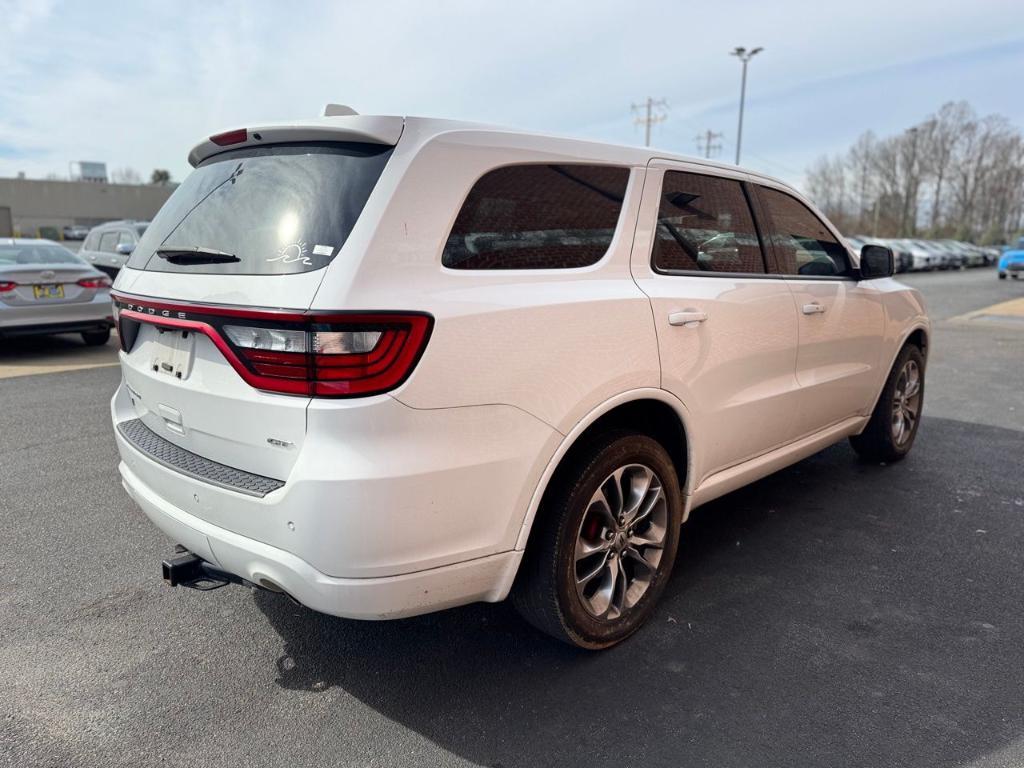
x=835, y=613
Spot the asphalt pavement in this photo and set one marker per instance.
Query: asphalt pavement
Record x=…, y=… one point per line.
x=834, y=614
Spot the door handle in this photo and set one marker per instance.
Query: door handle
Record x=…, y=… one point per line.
x=813, y=309
x=687, y=317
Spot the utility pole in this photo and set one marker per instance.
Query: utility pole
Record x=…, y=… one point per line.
x=708, y=140
x=649, y=116
x=745, y=56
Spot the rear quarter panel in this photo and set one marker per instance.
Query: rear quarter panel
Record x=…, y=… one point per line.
x=555, y=343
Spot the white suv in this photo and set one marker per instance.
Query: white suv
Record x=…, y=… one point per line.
x=390, y=365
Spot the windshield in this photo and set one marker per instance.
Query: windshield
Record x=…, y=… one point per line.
x=34, y=253
x=279, y=209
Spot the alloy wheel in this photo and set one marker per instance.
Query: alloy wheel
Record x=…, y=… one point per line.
x=620, y=541
x=906, y=402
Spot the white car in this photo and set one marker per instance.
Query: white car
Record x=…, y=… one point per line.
x=390, y=365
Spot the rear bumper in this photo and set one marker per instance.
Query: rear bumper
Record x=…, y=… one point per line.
x=387, y=511
x=391, y=597
x=50, y=328
x=57, y=318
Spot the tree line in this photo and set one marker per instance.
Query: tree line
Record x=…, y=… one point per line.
x=160, y=176
x=954, y=174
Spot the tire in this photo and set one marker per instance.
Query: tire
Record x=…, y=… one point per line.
x=882, y=439
x=1002, y=275
x=96, y=338
x=546, y=593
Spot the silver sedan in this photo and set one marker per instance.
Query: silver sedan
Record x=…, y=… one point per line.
x=45, y=288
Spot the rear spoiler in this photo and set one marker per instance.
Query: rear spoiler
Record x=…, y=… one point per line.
x=370, y=129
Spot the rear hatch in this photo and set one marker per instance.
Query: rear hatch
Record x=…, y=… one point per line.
x=216, y=340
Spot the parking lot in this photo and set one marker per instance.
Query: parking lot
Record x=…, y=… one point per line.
x=835, y=613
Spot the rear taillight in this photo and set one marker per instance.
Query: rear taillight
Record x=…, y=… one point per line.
x=340, y=356
x=7, y=286
x=336, y=355
x=95, y=282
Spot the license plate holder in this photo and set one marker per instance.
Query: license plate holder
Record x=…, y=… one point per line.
x=172, y=353
x=48, y=291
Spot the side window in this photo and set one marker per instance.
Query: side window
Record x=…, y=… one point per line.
x=704, y=225
x=126, y=237
x=91, y=242
x=537, y=217
x=803, y=244
x=108, y=242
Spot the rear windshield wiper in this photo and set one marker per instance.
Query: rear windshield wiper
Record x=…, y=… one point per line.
x=198, y=255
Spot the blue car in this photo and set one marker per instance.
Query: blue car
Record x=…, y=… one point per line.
x=1012, y=261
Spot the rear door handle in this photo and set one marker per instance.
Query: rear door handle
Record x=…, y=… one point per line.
x=687, y=317
x=813, y=309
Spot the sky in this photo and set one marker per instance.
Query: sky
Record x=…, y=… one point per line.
x=137, y=85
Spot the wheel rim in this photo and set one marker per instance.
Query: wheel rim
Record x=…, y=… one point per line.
x=620, y=541
x=906, y=402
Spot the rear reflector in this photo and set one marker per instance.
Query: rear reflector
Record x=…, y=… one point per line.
x=298, y=353
x=6, y=286
x=230, y=137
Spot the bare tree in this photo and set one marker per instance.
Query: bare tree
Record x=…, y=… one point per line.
x=952, y=174
x=941, y=134
x=125, y=176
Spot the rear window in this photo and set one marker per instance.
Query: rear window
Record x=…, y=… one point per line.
x=537, y=217
x=36, y=254
x=278, y=209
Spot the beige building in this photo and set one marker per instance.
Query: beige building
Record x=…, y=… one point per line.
x=28, y=204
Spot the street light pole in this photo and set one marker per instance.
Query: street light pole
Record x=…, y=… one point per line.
x=745, y=56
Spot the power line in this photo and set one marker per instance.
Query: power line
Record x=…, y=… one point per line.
x=650, y=113
x=707, y=139
x=781, y=166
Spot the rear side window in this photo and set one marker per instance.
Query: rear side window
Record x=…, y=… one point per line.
x=108, y=242
x=802, y=243
x=270, y=210
x=537, y=217
x=705, y=225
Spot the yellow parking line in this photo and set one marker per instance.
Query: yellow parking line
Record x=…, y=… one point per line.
x=13, y=371
x=1011, y=308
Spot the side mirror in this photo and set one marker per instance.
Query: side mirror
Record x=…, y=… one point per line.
x=876, y=261
x=125, y=249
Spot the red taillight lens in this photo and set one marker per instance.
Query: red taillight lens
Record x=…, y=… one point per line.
x=345, y=356
x=6, y=286
x=95, y=282
x=297, y=353
x=230, y=137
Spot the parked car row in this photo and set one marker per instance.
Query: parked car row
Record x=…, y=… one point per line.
x=75, y=232
x=918, y=255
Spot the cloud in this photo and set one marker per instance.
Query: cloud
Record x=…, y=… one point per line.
x=88, y=81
